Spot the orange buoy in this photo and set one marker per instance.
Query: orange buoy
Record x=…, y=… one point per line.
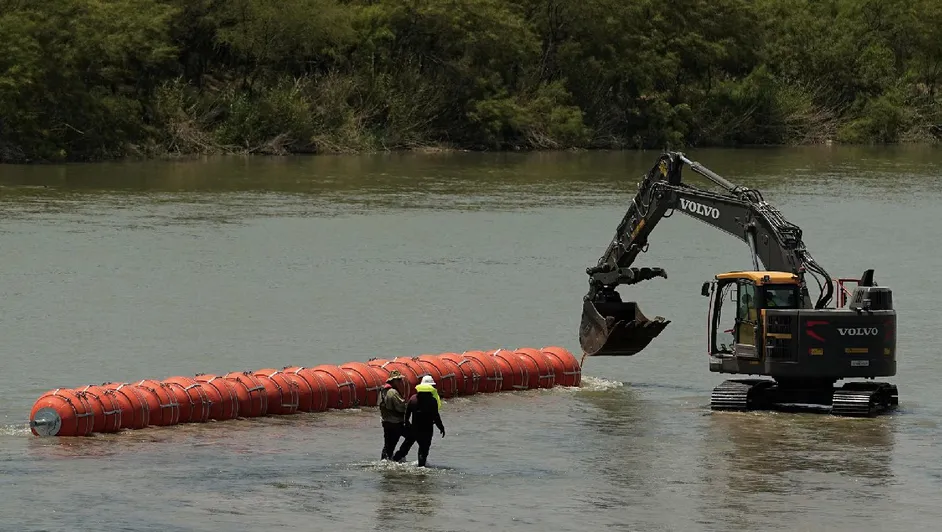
x=493, y=380
x=319, y=397
x=305, y=392
x=137, y=415
x=409, y=375
x=152, y=400
x=61, y=412
x=367, y=381
x=127, y=410
x=166, y=410
x=567, y=368
x=425, y=368
x=377, y=364
x=215, y=400
x=545, y=376
x=445, y=372
x=272, y=391
x=531, y=368
x=471, y=376
x=227, y=406
x=516, y=376
x=340, y=390
x=466, y=382
x=282, y=392
x=250, y=402
x=414, y=365
x=253, y=399
x=194, y=404
x=105, y=408
x=359, y=386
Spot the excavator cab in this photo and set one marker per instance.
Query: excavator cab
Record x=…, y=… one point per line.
x=736, y=308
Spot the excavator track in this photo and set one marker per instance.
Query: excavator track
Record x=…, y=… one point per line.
x=864, y=399
x=738, y=394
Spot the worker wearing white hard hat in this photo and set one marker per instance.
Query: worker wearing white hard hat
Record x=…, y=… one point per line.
x=423, y=410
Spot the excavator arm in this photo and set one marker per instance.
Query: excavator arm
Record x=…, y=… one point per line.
x=612, y=327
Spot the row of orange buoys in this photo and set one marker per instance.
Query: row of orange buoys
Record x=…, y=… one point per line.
x=111, y=407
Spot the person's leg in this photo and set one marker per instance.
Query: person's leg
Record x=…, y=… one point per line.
x=391, y=434
x=406, y=445
x=425, y=443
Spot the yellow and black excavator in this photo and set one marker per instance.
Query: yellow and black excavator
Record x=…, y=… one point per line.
x=773, y=329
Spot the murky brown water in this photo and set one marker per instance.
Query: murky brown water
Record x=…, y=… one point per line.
x=120, y=272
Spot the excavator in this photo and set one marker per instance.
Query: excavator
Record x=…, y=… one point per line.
x=762, y=322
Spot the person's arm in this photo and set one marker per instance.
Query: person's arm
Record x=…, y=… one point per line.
x=398, y=403
x=438, y=423
x=410, y=409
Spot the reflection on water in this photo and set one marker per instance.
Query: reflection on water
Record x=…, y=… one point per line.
x=222, y=191
x=748, y=458
x=617, y=411
x=408, y=178
x=406, y=494
x=768, y=446
x=616, y=431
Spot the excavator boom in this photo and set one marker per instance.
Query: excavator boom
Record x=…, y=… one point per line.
x=611, y=327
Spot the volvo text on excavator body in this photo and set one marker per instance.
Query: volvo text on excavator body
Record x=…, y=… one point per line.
x=762, y=320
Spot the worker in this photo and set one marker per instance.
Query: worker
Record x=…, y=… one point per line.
x=392, y=409
x=423, y=410
x=780, y=299
x=747, y=320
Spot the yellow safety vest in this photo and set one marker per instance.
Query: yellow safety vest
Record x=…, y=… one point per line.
x=430, y=388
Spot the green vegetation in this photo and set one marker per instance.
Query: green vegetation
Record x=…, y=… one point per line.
x=99, y=79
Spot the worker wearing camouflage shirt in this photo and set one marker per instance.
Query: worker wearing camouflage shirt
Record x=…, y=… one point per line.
x=392, y=408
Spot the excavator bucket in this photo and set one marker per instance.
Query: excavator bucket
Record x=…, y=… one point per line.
x=616, y=328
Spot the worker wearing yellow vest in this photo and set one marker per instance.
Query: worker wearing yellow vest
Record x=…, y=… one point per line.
x=423, y=409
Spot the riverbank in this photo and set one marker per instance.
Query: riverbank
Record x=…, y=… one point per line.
x=85, y=80
x=157, y=153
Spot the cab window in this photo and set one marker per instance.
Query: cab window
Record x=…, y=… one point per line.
x=746, y=326
x=747, y=302
x=781, y=297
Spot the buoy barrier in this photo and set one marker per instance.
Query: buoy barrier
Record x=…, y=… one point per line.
x=114, y=406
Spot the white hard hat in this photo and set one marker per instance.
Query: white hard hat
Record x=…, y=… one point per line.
x=428, y=380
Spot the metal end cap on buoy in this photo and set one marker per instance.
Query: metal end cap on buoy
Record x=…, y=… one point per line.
x=46, y=422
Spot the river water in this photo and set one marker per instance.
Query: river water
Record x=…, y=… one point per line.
x=120, y=272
